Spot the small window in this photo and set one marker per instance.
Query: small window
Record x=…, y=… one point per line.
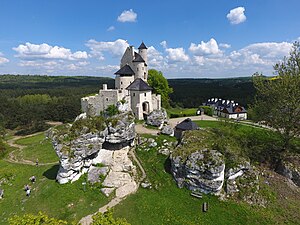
x=107, y=99
x=133, y=94
x=142, y=68
x=145, y=94
x=137, y=69
x=121, y=82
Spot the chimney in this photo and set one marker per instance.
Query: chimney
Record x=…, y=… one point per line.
x=104, y=87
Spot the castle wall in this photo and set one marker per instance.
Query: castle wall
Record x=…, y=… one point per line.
x=156, y=101
x=127, y=57
x=122, y=82
x=140, y=70
x=138, y=98
x=93, y=105
x=143, y=53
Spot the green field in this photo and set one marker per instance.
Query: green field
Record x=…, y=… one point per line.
x=167, y=204
x=181, y=112
x=68, y=202
x=37, y=147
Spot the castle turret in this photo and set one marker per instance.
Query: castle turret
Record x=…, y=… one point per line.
x=124, y=77
x=143, y=52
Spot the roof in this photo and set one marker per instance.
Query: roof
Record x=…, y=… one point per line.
x=231, y=109
x=138, y=58
x=139, y=85
x=142, y=46
x=187, y=124
x=125, y=71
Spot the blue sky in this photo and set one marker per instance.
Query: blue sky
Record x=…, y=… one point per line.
x=216, y=38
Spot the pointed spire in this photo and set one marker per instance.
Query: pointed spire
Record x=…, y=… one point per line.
x=142, y=46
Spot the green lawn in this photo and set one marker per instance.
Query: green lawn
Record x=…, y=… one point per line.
x=181, y=112
x=167, y=204
x=170, y=205
x=69, y=202
x=37, y=147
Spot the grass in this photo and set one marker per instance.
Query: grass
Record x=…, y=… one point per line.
x=167, y=204
x=181, y=112
x=37, y=147
x=68, y=202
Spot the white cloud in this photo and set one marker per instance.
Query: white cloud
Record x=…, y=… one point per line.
x=155, y=58
x=237, y=15
x=3, y=59
x=44, y=51
x=116, y=48
x=205, y=48
x=224, y=45
x=163, y=44
x=111, y=28
x=127, y=16
x=176, y=55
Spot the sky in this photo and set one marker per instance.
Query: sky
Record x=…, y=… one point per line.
x=185, y=39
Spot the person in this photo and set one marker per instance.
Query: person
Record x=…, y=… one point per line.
x=26, y=187
x=28, y=192
x=32, y=179
x=37, y=162
x=1, y=193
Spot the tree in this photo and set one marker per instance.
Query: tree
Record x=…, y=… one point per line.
x=278, y=99
x=160, y=86
x=108, y=219
x=29, y=219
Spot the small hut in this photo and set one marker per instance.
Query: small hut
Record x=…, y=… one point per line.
x=187, y=124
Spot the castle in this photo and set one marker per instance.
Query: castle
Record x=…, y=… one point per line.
x=131, y=87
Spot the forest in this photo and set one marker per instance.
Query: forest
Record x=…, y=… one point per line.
x=27, y=101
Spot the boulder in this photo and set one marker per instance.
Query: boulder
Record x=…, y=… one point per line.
x=157, y=117
x=95, y=173
x=81, y=147
x=289, y=167
x=167, y=130
x=202, y=171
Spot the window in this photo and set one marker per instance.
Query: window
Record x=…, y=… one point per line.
x=142, y=68
x=121, y=82
x=137, y=69
x=107, y=99
x=133, y=94
x=145, y=94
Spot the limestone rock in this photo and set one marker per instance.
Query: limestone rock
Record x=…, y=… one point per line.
x=81, y=116
x=81, y=147
x=168, y=130
x=107, y=191
x=95, y=173
x=290, y=168
x=157, y=117
x=202, y=171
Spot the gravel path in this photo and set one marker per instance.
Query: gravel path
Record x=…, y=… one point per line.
x=13, y=159
x=87, y=220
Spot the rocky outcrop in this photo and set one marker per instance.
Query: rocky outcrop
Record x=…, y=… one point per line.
x=202, y=171
x=157, y=117
x=289, y=167
x=167, y=130
x=197, y=166
x=81, y=146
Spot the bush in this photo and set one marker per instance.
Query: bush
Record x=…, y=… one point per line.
x=112, y=110
x=207, y=110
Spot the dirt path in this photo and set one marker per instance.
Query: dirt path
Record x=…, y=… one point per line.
x=174, y=121
x=140, y=129
x=87, y=220
x=13, y=159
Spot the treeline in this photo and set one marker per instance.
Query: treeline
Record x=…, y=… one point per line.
x=28, y=101
x=189, y=93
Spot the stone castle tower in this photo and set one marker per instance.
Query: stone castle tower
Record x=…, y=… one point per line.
x=130, y=85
